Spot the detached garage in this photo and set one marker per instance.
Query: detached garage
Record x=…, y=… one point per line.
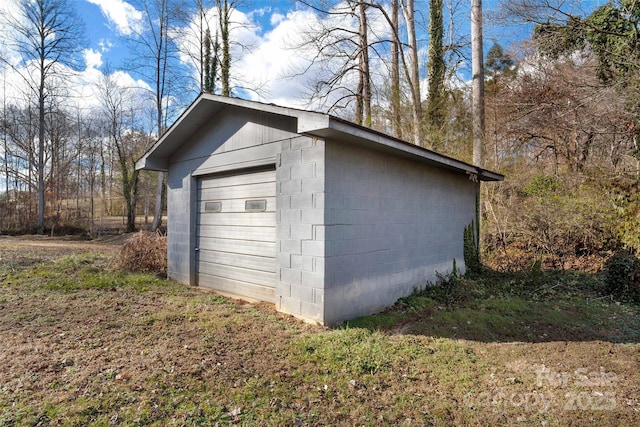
x=326, y=219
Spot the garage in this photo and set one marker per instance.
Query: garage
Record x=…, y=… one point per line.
x=326, y=219
x=236, y=232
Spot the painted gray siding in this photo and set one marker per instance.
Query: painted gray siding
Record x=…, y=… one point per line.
x=233, y=139
x=391, y=223
x=300, y=228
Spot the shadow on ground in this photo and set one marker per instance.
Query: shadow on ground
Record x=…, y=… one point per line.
x=559, y=306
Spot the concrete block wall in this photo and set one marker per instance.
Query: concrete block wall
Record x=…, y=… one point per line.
x=181, y=196
x=391, y=224
x=300, y=228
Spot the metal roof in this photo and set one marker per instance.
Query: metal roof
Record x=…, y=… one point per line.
x=309, y=123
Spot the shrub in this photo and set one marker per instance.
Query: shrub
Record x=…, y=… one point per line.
x=542, y=186
x=471, y=250
x=146, y=252
x=622, y=276
x=566, y=222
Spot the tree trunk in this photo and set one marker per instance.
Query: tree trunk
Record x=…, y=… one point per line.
x=477, y=60
x=396, y=125
x=202, y=72
x=133, y=200
x=363, y=91
x=161, y=86
x=41, y=145
x=225, y=65
x=436, y=72
x=6, y=149
x=477, y=102
x=414, y=72
x=364, y=64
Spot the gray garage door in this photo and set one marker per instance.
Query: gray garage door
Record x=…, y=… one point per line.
x=236, y=232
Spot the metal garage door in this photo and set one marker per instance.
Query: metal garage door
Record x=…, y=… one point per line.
x=236, y=232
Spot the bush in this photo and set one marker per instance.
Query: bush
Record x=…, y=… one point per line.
x=146, y=252
x=622, y=276
x=566, y=222
x=471, y=250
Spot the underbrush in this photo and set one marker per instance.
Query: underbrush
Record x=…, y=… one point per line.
x=144, y=252
x=531, y=306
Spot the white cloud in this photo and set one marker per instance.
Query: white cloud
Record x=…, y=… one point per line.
x=124, y=16
x=105, y=45
x=92, y=58
x=285, y=67
x=82, y=87
x=277, y=18
x=274, y=64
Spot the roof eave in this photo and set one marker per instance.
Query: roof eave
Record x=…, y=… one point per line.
x=160, y=164
x=334, y=127
x=309, y=123
x=487, y=175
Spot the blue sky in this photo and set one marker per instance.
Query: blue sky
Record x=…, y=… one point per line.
x=108, y=22
x=269, y=27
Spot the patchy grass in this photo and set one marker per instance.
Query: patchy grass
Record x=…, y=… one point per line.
x=496, y=307
x=81, y=345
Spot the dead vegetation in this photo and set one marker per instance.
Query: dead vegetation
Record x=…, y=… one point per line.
x=145, y=252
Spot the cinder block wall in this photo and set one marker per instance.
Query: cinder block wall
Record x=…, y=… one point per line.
x=300, y=228
x=181, y=188
x=391, y=224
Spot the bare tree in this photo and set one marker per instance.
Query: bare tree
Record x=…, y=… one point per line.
x=396, y=127
x=344, y=46
x=225, y=8
x=156, y=60
x=211, y=62
x=477, y=60
x=48, y=35
x=5, y=140
x=193, y=35
x=409, y=61
x=363, y=92
x=20, y=126
x=408, y=9
x=436, y=71
x=115, y=107
x=91, y=162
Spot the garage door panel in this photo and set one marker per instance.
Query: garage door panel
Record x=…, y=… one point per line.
x=259, y=234
x=257, y=219
x=237, y=205
x=236, y=247
x=240, y=179
x=240, y=192
x=247, y=261
x=235, y=287
x=262, y=278
x=247, y=247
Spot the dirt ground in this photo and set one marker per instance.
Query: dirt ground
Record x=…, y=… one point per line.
x=131, y=351
x=48, y=247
